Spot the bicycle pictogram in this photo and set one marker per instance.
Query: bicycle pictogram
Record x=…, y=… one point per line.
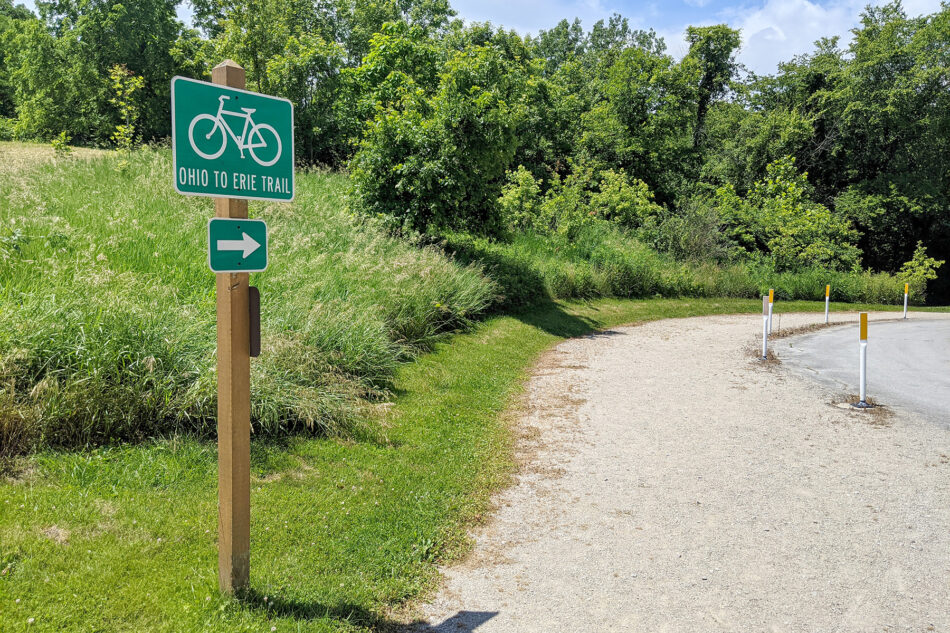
x=252, y=138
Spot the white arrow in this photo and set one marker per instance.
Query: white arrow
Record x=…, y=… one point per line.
x=247, y=244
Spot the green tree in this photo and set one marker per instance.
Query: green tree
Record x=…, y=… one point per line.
x=308, y=73
x=125, y=85
x=51, y=94
x=919, y=270
x=712, y=53
x=401, y=59
x=641, y=122
x=779, y=219
x=60, y=71
x=12, y=20
x=741, y=142
x=565, y=42
x=441, y=162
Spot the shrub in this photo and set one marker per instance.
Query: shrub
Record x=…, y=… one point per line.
x=627, y=203
x=919, y=270
x=60, y=145
x=566, y=207
x=582, y=198
x=7, y=129
x=441, y=162
x=520, y=201
x=692, y=233
x=778, y=218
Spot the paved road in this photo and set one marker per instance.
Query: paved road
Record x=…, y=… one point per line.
x=908, y=363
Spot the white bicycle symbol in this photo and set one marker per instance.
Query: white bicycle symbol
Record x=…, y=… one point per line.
x=252, y=137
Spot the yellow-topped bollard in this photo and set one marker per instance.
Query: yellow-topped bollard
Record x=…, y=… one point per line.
x=771, y=302
x=863, y=360
x=827, y=301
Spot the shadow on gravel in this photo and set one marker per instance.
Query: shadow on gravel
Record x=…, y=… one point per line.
x=459, y=623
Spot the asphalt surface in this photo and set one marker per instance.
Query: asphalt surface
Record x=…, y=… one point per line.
x=908, y=363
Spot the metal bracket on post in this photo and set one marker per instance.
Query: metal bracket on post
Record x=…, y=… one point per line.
x=254, y=314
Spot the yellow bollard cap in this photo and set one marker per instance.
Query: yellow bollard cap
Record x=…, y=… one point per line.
x=864, y=326
x=906, y=289
x=771, y=296
x=828, y=290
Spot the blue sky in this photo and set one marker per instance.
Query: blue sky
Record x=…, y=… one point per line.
x=772, y=30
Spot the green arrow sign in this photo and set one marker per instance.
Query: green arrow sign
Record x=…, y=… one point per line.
x=231, y=143
x=237, y=246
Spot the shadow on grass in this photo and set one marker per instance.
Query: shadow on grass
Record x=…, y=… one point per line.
x=551, y=318
x=307, y=610
x=524, y=291
x=358, y=616
x=521, y=285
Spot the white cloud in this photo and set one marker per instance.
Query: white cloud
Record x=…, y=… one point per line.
x=780, y=29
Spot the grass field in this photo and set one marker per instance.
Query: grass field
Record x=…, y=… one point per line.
x=107, y=370
x=345, y=532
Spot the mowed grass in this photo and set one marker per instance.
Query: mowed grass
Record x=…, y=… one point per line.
x=345, y=532
x=108, y=312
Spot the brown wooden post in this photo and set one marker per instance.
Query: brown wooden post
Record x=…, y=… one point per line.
x=234, y=398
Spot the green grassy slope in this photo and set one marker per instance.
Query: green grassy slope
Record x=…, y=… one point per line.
x=107, y=305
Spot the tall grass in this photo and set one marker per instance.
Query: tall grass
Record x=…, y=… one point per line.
x=108, y=314
x=602, y=261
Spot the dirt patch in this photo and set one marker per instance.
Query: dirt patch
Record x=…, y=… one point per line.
x=17, y=471
x=56, y=534
x=19, y=157
x=876, y=415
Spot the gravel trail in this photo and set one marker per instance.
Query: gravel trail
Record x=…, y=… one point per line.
x=672, y=482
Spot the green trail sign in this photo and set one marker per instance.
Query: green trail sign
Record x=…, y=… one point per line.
x=237, y=246
x=231, y=143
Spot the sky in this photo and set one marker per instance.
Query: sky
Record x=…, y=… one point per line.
x=772, y=30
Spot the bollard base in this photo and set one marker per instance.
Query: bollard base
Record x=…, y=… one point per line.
x=862, y=405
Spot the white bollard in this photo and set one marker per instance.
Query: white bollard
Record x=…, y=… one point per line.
x=771, y=302
x=863, y=371
x=765, y=327
x=827, y=302
x=906, y=295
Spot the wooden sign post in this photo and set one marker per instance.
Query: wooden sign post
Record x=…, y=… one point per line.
x=210, y=159
x=234, y=398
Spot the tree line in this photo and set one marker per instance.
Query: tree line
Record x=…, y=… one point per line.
x=838, y=159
